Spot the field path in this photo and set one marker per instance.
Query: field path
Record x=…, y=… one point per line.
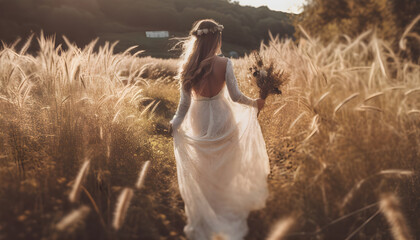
x=281, y=153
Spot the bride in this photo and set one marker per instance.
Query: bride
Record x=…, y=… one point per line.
x=221, y=158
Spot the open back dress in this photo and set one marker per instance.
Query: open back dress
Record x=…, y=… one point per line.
x=221, y=159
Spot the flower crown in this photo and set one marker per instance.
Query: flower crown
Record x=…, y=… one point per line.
x=214, y=29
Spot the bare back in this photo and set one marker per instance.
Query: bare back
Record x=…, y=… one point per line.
x=213, y=84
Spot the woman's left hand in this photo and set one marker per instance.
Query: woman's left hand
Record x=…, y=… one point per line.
x=260, y=103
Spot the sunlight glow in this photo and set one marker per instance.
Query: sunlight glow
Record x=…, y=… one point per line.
x=291, y=6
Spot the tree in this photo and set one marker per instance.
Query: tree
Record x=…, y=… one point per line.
x=329, y=18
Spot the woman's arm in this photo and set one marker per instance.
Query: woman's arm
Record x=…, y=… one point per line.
x=184, y=104
x=232, y=86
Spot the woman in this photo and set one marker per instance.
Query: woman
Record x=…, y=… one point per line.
x=222, y=163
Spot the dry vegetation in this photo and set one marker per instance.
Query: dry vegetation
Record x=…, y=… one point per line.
x=343, y=141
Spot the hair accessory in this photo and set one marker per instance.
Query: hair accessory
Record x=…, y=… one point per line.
x=217, y=28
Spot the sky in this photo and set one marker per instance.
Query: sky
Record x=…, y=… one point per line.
x=291, y=6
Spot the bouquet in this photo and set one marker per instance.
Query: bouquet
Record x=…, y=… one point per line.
x=268, y=79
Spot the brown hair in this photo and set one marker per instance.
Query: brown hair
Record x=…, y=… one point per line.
x=198, y=50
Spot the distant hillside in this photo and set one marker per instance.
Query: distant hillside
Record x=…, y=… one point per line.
x=126, y=20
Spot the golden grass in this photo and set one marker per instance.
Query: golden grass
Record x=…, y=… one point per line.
x=351, y=114
x=74, y=194
x=70, y=221
x=390, y=207
x=142, y=175
x=281, y=228
x=344, y=131
x=63, y=104
x=122, y=207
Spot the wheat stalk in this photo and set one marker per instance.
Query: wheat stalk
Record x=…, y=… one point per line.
x=101, y=134
x=27, y=44
x=413, y=111
x=348, y=99
x=154, y=109
x=397, y=172
x=72, y=219
x=296, y=120
x=281, y=228
x=402, y=42
x=122, y=207
x=279, y=109
x=142, y=175
x=74, y=194
x=373, y=96
x=321, y=98
x=391, y=209
x=411, y=91
x=369, y=108
x=108, y=151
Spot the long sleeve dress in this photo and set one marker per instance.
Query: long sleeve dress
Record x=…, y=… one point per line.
x=221, y=159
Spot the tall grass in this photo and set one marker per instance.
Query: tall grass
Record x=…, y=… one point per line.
x=66, y=104
x=344, y=132
x=351, y=114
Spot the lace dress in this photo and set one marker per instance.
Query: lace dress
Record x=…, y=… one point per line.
x=221, y=158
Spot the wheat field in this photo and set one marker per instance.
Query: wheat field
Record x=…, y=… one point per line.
x=85, y=154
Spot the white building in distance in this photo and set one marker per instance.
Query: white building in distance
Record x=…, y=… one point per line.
x=157, y=34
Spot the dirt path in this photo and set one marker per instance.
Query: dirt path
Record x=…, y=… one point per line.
x=281, y=153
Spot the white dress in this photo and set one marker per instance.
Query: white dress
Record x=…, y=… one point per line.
x=221, y=159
